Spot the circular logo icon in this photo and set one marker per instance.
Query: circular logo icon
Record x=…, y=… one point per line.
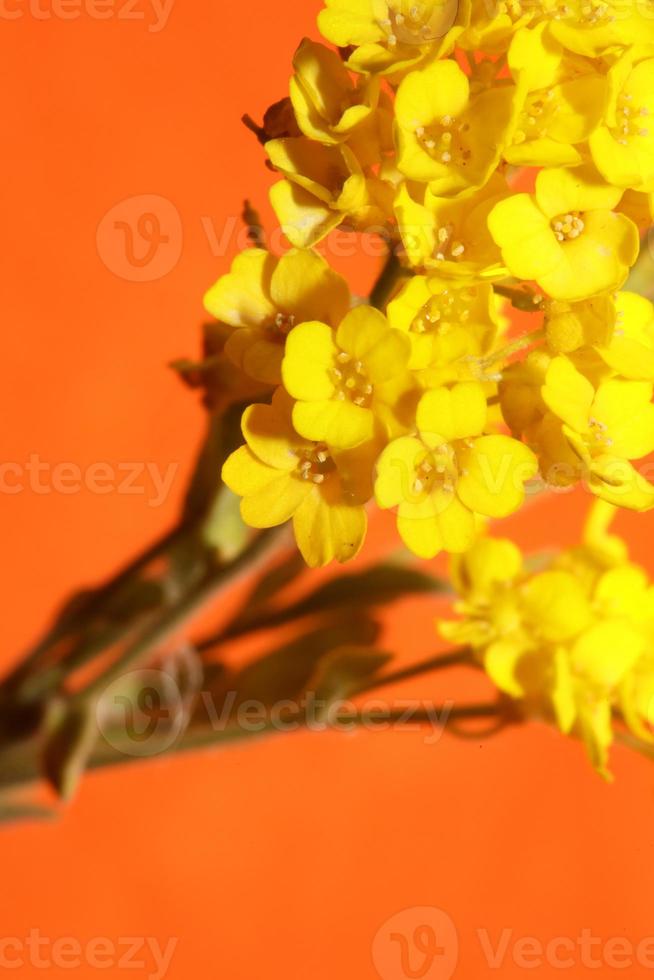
x=419, y=943
x=142, y=713
x=140, y=239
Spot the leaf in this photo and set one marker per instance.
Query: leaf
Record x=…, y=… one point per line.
x=341, y=672
x=281, y=575
x=374, y=586
x=285, y=673
x=68, y=746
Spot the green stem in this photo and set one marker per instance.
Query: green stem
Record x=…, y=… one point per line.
x=69, y=625
x=19, y=765
x=173, y=619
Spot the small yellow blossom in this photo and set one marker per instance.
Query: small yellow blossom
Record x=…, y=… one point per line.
x=596, y=27
x=328, y=105
x=623, y=146
x=564, y=102
x=450, y=235
x=343, y=379
x=571, y=642
x=391, y=36
x=324, y=185
x=447, y=475
x=451, y=324
x=606, y=428
x=446, y=137
x=566, y=236
x=265, y=297
x=283, y=477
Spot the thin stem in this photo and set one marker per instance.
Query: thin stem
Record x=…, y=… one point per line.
x=69, y=625
x=520, y=343
x=173, y=619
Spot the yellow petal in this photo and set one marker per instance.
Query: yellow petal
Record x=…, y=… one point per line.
x=305, y=286
x=568, y=394
x=456, y=413
x=366, y=335
x=242, y=298
x=493, y=473
x=340, y=424
x=309, y=359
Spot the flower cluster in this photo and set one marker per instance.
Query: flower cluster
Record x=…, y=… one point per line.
x=503, y=150
x=573, y=641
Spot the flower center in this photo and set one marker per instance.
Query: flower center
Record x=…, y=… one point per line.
x=444, y=311
x=351, y=381
x=437, y=471
x=596, y=439
x=588, y=13
x=444, y=140
x=567, y=227
x=282, y=325
x=537, y=113
x=510, y=8
x=424, y=21
x=629, y=119
x=448, y=246
x=315, y=464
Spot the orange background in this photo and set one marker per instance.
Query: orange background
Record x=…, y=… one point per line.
x=283, y=858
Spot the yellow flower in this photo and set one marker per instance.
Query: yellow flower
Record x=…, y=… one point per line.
x=606, y=428
x=630, y=350
x=564, y=102
x=450, y=323
x=447, y=475
x=324, y=185
x=493, y=25
x=571, y=642
x=622, y=148
x=595, y=27
x=449, y=235
x=281, y=476
x=328, y=105
x=566, y=236
x=342, y=379
x=446, y=137
x=392, y=35
x=265, y=297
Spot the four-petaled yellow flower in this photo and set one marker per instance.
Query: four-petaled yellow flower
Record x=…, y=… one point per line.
x=449, y=473
x=566, y=236
x=343, y=379
x=283, y=477
x=266, y=298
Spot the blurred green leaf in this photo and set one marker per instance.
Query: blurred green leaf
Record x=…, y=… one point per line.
x=275, y=580
x=342, y=671
x=374, y=586
x=286, y=672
